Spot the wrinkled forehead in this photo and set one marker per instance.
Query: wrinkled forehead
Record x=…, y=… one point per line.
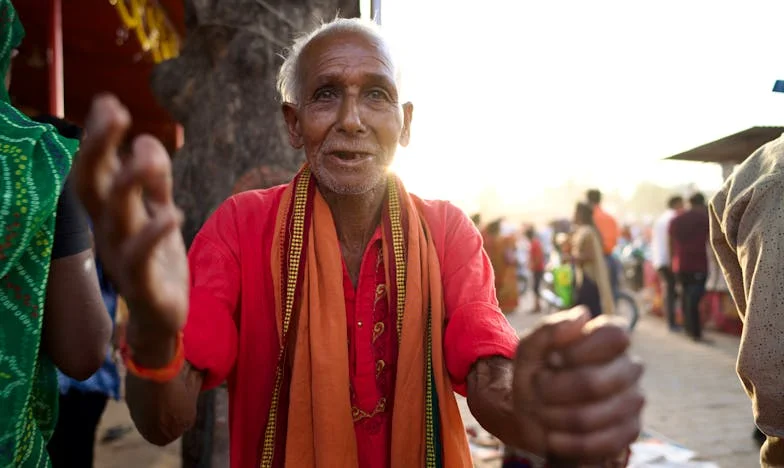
x=346, y=52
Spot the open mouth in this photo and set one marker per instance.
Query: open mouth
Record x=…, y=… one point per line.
x=350, y=155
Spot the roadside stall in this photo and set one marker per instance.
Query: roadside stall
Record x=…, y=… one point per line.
x=75, y=49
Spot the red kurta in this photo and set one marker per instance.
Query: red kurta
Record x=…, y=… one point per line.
x=231, y=332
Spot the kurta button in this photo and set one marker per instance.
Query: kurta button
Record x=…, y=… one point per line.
x=359, y=324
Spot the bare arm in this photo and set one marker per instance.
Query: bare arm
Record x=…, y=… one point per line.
x=161, y=412
x=137, y=236
x=77, y=327
x=489, y=394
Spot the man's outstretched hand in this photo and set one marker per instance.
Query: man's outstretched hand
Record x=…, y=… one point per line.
x=136, y=224
x=576, y=390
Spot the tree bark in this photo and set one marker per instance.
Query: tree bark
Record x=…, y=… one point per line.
x=222, y=90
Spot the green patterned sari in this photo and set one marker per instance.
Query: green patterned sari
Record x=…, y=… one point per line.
x=34, y=162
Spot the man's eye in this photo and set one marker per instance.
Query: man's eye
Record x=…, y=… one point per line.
x=324, y=94
x=378, y=95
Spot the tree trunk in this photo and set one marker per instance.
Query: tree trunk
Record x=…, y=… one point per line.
x=222, y=90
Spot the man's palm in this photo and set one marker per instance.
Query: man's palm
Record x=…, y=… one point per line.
x=136, y=221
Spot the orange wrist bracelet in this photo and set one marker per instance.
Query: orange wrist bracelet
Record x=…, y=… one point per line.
x=161, y=375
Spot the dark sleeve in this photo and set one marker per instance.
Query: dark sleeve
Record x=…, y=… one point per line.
x=71, y=233
x=672, y=229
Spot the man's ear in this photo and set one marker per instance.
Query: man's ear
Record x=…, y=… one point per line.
x=291, y=116
x=405, y=133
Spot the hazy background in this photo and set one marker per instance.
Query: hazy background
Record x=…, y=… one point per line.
x=521, y=105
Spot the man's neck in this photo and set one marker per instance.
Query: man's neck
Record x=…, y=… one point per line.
x=356, y=219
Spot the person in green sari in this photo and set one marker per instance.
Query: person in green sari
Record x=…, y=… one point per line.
x=51, y=309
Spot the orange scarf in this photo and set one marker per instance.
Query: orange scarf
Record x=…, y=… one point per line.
x=427, y=429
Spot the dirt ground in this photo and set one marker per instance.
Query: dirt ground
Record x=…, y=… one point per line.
x=131, y=450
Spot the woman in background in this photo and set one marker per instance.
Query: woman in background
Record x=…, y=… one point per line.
x=82, y=402
x=592, y=280
x=51, y=309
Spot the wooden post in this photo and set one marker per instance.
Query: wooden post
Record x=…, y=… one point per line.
x=55, y=59
x=375, y=11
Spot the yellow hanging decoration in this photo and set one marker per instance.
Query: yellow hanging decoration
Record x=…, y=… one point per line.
x=148, y=21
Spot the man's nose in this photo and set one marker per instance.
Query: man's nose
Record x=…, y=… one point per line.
x=350, y=118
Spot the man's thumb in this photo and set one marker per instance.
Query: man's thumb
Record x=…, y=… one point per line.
x=554, y=331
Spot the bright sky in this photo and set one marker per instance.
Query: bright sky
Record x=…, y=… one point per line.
x=522, y=95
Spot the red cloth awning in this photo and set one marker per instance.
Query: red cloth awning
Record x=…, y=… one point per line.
x=98, y=56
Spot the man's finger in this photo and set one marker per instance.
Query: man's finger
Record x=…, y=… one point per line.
x=599, y=445
x=125, y=202
x=554, y=331
x=581, y=385
x=97, y=162
x=593, y=416
x=604, y=339
x=158, y=172
x=141, y=247
x=532, y=357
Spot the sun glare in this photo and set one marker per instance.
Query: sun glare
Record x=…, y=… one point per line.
x=515, y=98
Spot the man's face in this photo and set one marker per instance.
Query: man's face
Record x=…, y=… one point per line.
x=348, y=118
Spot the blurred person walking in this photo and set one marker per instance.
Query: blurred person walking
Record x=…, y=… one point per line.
x=592, y=280
x=502, y=252
x=82, y=402
x=661, y=257
x=689, y=232
x=536, y=264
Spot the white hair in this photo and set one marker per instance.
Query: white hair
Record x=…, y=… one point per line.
x=289, y=85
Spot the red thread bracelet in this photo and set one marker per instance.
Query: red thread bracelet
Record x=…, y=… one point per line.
x=161, y=375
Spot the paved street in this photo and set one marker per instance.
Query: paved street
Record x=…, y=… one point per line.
x=694, y=398
x=693, y=395
x=131, y=451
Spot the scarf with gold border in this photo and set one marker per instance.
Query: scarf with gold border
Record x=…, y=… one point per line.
x=310, y=420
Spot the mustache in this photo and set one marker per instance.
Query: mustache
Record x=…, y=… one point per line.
x=349, y=147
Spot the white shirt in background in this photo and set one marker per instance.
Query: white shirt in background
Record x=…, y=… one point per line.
x=660, y=240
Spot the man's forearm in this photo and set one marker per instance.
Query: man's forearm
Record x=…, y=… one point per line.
x=161, y=411
x=490, y=398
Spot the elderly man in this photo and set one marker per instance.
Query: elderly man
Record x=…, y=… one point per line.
x=746, y=234
x=343, y=310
